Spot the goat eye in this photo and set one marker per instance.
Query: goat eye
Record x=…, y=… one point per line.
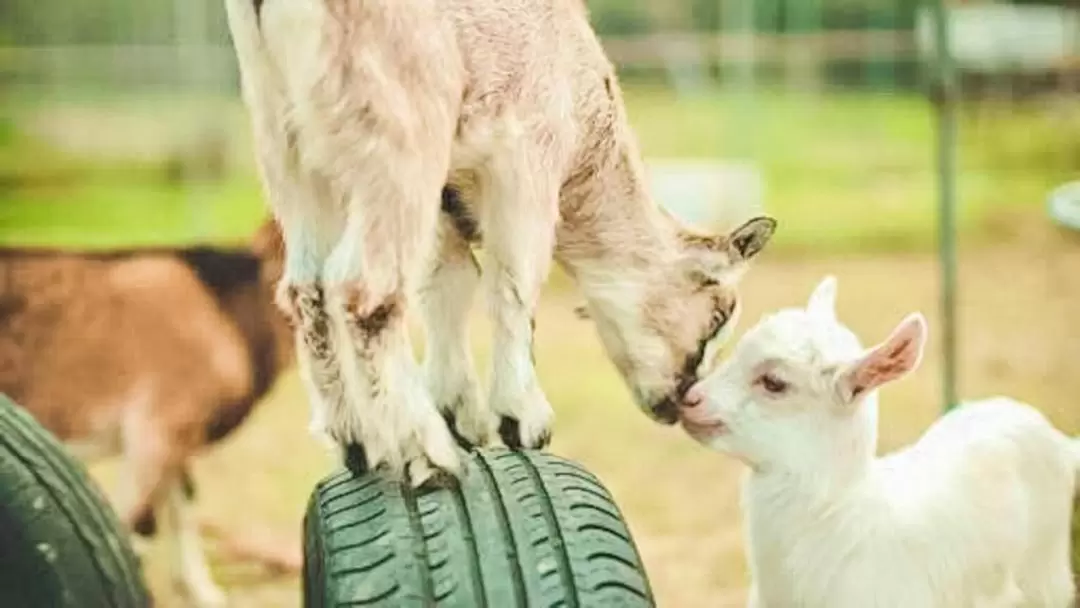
x=772, y=384
x=718, y=318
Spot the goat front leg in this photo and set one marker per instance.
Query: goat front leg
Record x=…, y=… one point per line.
x=446, y=301
x=393, y=208
x=521, y=212
x=310, y=225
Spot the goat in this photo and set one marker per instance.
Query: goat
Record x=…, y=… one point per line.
x=150, y=353
x=975, y=513
x=362, y=113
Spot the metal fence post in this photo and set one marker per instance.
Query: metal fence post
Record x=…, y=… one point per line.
x=943, y=90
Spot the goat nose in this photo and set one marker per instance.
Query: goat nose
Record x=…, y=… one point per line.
x=694, y=397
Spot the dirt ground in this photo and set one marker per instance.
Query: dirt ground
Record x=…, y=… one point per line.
x=1019, y=335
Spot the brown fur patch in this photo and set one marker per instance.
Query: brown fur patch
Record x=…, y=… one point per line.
x=185, y=340
x=307, y=304
x=372, y=321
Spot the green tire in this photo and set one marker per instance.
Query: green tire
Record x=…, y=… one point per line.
x=523, y=529
x=60, y=542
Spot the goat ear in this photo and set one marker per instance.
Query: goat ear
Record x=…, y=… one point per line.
x=720, y=255
x=822, y=301
x=894, y=358
x=748, y=240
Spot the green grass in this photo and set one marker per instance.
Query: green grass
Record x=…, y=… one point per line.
x=844, y=172
x=103, y=214
x=856, y=172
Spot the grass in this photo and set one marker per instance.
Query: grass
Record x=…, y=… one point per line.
x=843, y=172
x=855, y=172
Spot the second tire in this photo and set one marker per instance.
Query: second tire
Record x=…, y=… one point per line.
x=61, y=545
x=523, y=529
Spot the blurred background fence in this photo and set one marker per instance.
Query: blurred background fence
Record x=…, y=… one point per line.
x=798, y=105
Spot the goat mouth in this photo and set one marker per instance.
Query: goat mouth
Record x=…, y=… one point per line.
x=703, y=430
x=666, y=412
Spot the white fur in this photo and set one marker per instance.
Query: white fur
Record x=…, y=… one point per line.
x=976, y=513
x=446, y=301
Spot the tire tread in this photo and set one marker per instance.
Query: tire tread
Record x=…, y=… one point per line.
x=520, y=529
x=96, y=566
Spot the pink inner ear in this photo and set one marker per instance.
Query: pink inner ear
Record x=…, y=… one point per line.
x=888, y=362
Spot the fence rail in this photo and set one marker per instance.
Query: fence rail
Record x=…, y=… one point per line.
x=647, y=49
x=836, y=45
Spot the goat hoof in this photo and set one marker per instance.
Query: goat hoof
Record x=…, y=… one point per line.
x=438, y=479
x=510, y=433
x=356, y=460
x=451, y=423
x=146, y=524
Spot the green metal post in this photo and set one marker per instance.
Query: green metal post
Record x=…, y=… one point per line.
x=737, y=21
x=804, y=60
x=880, y=70
x=944, y=93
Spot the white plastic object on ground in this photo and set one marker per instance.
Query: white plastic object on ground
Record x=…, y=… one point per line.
x=711, y=194
x=1063, y=205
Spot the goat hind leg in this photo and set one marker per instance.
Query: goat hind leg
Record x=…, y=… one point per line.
x=446, y=300
x=519, y=237
x=191, y=570
x=155, y=476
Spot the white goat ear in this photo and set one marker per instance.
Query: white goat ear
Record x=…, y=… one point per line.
x=823, y=299
x=894, y=358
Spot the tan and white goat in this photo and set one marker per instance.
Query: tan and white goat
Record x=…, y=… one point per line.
x=147, y=354
x=362, y=111
x=975, y=514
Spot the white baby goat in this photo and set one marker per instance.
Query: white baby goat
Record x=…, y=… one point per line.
x=976, y=513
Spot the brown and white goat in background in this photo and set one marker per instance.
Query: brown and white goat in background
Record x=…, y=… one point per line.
x=362, y=111
x=151, y=354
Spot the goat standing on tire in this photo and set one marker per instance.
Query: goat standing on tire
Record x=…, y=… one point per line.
x=362, y=111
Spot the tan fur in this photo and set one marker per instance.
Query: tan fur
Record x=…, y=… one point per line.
x=132, y=353
x=362, y=110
